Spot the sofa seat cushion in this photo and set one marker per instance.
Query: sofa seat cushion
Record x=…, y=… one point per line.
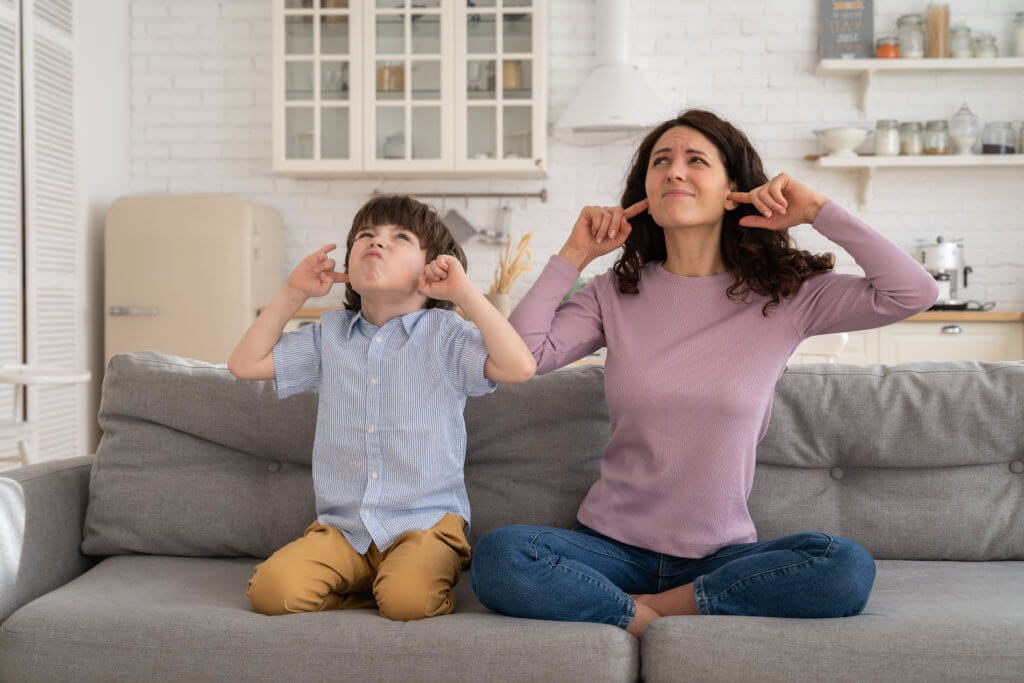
x=925, y=621
x=140, y=617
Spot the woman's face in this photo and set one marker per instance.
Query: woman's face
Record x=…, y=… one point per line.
x=686, y=180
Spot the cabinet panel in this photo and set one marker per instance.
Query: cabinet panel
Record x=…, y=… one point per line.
x=500, y=92
x=317, y=61
x=409, y=53
x=904, y=342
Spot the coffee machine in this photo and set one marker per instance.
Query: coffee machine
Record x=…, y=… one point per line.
x=945, y=261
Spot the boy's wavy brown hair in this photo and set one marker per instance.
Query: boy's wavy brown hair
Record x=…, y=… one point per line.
x=420, y=219
x=765, y=261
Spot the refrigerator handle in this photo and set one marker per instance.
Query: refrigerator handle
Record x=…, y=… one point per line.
x=125, y=310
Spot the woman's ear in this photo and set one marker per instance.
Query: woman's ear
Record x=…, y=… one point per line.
x=730, y=204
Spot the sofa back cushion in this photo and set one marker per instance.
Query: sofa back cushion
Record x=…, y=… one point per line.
x=195, y=462
x=915, y=461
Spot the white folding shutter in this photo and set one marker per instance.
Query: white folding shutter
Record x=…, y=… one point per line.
x=55, y=316
x=10, y=210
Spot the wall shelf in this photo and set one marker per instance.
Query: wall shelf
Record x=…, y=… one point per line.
x=867, y=69
x=867, y=163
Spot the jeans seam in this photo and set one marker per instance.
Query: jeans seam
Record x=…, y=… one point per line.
x=613, y=588
x=701, y=598
x=831, y=540
x=533, y=544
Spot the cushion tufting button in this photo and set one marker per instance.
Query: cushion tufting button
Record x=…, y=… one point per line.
x=1016, y=466
x=273, y=466
x=836, y=472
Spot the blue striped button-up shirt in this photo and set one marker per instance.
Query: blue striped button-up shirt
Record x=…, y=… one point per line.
x=390, y=437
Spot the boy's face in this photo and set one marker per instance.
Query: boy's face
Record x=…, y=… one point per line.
x=386, y=260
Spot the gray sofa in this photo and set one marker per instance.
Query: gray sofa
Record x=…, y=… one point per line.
x=132, y=565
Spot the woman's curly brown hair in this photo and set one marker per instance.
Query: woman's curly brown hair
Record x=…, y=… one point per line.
x=764, y=260
x=420, y=219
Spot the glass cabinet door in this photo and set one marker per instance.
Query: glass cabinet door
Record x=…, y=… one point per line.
x=407, y=65
x=318, y=46
x=500, y=106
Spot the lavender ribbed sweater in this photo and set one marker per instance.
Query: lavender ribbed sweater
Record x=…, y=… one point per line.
x=690, y=377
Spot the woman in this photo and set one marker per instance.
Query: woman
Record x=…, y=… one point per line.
x=700, y=314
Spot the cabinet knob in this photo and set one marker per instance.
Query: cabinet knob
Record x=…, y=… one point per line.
x=951, y=329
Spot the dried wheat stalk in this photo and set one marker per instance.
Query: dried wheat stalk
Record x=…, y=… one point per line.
x=511, y=265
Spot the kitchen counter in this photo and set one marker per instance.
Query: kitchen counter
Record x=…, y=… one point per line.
x=926, y=317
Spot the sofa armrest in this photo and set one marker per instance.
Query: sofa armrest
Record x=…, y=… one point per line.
x=42, y=511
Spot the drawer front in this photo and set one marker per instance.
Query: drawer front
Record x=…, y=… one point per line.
x=904, y=342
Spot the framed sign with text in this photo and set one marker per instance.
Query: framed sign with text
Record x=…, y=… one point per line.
x=847, y=29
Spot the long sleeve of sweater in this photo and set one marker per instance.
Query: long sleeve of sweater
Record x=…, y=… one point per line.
x=894, y=286
x=558, y=332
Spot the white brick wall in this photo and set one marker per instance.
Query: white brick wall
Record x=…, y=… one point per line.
x=200, y=122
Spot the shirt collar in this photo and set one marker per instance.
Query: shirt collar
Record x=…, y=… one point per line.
x=408, y=321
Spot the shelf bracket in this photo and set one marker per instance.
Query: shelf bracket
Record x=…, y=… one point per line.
x=866, y=175
x=865, y=90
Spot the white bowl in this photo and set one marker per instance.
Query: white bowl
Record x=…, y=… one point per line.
x=840, y=142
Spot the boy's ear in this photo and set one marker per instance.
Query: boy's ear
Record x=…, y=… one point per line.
x=730, y=204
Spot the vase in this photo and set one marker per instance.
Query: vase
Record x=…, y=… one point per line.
x=501, y=302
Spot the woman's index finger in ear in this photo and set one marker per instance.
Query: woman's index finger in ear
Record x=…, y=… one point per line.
x=636, y=209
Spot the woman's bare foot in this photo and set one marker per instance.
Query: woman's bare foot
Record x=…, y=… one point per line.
x=644, y=616
x=673, y=602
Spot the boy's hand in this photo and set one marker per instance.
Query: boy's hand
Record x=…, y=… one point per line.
x=315, y=275
x=444, y=279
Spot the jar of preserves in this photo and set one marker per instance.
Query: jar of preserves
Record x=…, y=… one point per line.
x=911, y=143
x=910, y=30
x=887, y=48
x=936, y=137
x=887, y=138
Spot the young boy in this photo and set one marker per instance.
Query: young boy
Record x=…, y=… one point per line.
x=393, y=370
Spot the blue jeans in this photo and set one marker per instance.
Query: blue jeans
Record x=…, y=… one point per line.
x=544, y=572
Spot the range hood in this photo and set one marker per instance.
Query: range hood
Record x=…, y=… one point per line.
x=615, y=99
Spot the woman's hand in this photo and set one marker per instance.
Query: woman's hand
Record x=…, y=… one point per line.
x=315, y=274
x=600, y=230
x=783, y=202
x=444, y=279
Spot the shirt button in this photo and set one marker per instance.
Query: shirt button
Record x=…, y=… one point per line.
x=374, y=475
x=378, y=339
x=366, y=513
x=370, y=430
x=373, y=381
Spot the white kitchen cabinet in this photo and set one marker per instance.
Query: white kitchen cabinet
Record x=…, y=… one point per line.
x=409, y=87
x=987, y=341
x=933, y=340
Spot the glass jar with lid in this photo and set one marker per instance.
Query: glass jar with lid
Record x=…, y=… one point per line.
x=998, y=138
x=960, y=41
x=1018, y=34
x=936, y=137
x=887, y=48
x=910, y=31
x=963, y=130
x=985, y=45
x=887, y=138
x=911, y=143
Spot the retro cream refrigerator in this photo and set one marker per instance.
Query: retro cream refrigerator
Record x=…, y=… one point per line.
x=185, y=274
